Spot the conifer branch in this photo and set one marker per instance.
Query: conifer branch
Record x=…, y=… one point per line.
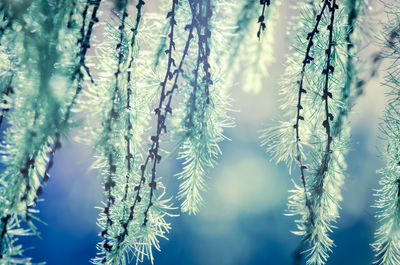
x=203, y=115
x=71, y=13
x=83, y=45
x=84, y=41
x=316, y=235
x=339, y=127
x=387, y=234
x=5, y=19
x=134, y=30
x=121, y=220
x=195, y=166
x=121, y=237
x=329, y=70
x=190, y=36
x=261, y=18
x=316, y=200
x=244, y=17
x=48, y=55
x=113, y=114
x=32, y=125
x=7, y=93
x=307, y=60
x=205, y=41
x=153, y=154
x=250, y=57
x=346, y=95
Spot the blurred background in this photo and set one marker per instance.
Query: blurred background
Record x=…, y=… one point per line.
x=243, y=221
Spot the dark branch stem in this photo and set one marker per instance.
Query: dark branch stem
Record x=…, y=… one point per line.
x=84, y=44
x=113, y=115
x=129, y=93
x=125, y=223
x=203, y=51
x=323, y=168
x=6, y=18
x=329, y=70
x=8, y=92
x=200, y=52
x=206, y=50
x=350, y=72
x=71, y=13
x=261, y=18
x=4, y=222
x=307, y=60
x=29, y=161
x=153, y=152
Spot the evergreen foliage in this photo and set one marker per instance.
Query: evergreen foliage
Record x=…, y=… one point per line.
x=317, y=138
x=167, y=78
x=250, y=57
x=40, y=74
x=205, y=109
x=386, y=243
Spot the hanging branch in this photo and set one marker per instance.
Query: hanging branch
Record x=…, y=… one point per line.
x=206, y=42
x=7, y=94
x=316, y=200
x=194, y=166
x=261, y=18
x=245, y=16
x=129, y=156
x=45, y=122
x=249, y=57
x=5, y=19
x=205, y=51
x=352, y=17
x=377, y=58
x=307, y=60
x=83, y=44
x=153, y=154
x=113, y=114
x=195, y=146
x=323, y=198
x=32, y=125
x=329, y=70
x=8, y=19
x=339, y=127
x=71, y=14
x=121, y=220
x=203, y=116
x=387, y=234
x=85, y=41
